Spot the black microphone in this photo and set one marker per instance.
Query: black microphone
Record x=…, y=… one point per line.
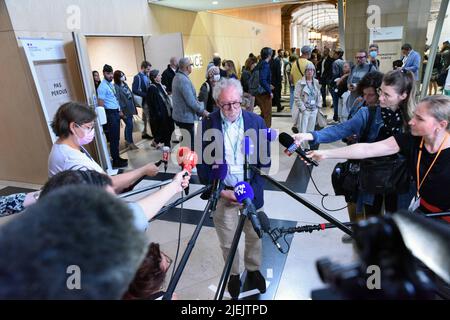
x=244, y=195
x=288, y=142
x=265, y=225
x=218, y=173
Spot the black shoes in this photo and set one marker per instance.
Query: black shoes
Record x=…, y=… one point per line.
x=147, y=136
x=294, y=129
x=120, y=163
x=234, y=286
x=256, y=280
x=280, y=108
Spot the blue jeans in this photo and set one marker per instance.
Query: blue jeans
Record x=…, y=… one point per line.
x=113, y=124
x=129, y=128
x=335, y=97
x=291, y=98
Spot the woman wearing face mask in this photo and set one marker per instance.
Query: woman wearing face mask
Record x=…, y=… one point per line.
x=390, y=104
x=205, y=94
x=127, y=107
x=73, y=124
x=160, y=111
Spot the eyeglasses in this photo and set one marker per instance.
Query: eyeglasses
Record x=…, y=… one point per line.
x=360, y=57
x=382, y=93
x=84, y=128
x=227, y=106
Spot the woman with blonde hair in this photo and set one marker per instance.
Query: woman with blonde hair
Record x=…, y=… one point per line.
x=307, y=100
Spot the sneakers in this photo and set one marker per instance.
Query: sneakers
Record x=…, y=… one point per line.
x=294, y=130
x=120, y=163
x=256, y=280
x=234, y=286
x=346, y=239
x=146, y=136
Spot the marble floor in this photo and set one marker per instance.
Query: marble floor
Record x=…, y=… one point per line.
x=290, y=276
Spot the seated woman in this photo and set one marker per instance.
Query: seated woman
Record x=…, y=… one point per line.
x=427, y=148
x=73, y=124
x=149, y=279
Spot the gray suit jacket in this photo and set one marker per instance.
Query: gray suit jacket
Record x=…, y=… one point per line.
x=186, y=107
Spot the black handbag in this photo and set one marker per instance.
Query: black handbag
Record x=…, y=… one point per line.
x=344, y=179
x=384, y=175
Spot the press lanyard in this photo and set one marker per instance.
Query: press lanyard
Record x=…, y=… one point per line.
x=113, y=90
x=419, y=184
x=235, y=146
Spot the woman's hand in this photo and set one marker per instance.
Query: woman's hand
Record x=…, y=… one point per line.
x=151, y=170
x=300, y=137
x=317, y=155
x=180, y=181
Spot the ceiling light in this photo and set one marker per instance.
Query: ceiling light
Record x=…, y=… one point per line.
x=215, y=3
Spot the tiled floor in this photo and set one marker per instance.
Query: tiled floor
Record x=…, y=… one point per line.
x=290, y=276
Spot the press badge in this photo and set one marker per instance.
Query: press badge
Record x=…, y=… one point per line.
x=415, y=204
x=236, y=169
x=312, y=102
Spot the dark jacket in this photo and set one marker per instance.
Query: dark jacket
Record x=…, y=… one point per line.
x=205, y=96
x=251, y=121
x=167, y=78
x=245, y=77
x=275, y=69
x=325, y=76
x=158, y=101
x=139, y=87
x=265, y=77
x=125, y=98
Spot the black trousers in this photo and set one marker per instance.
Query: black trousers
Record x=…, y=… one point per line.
x=188, y=133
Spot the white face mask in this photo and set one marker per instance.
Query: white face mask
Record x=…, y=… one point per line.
x=216, y=77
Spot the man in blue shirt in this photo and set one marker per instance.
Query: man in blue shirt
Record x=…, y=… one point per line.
x=107, y=99
x=411, y=60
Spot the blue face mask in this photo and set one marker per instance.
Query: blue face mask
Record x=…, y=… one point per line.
x=373, y=54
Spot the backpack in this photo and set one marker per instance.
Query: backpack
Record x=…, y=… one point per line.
x=254, y=85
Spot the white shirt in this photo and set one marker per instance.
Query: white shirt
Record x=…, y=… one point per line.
x=233, y=135
x=62, y=157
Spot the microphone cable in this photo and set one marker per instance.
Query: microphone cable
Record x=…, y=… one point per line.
x=322, y=202
x=175, y=260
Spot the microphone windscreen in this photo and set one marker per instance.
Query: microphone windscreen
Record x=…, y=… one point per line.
x=428, y=240
x=271, y=134
x=182, y=153
x=219, y=171
x=286, y=140
x=264, y=220
x=78, y=232
x=243, y=190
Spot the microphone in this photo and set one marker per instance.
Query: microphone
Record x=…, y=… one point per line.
x=218, y=174
x=288, y=142
x=265, y=224
x=244, y=195
x=187, y=159
x=165, y=157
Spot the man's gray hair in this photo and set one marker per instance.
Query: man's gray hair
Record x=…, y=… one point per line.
x=184, y=63
x=306, y=50
x=225, y=83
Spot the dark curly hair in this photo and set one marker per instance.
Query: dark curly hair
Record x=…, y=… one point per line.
x=370, y=80
x=75, y=177
x=71, y=112
x=149, y=278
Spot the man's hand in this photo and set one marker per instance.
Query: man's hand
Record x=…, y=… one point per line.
x=229, y=195
x=151, y=170
x=205, y=114
x=181, y=182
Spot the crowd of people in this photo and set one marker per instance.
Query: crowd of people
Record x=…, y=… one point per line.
x=376, y=114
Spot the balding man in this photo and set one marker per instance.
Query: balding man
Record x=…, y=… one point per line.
x=169, y=74
x=186, y=108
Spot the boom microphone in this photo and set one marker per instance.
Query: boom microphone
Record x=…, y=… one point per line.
x=265, y=224
x=244, y=195
x=288, y=142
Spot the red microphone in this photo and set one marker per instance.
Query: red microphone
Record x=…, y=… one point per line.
x=165, y=157
x=187, y=159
